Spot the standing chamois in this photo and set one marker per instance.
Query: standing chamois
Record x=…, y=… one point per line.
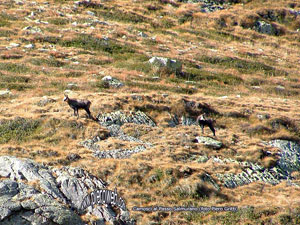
x=76, y=104
x=203, y=121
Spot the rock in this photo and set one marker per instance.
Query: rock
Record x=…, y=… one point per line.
x=36, y=194
x=263, y=116
x=112, y=82
x=142, y=34
x=90, y=13
x=113, y=122
x=14, y=45
x=209, y=142
x=289, y=156
x=264, y=28
x=171, y=65
x=5, y=93
x=73, y=157
x=119, y=153
x=72, y=86
x=45, y=100
x=202, y=159
x=29, y=46
x=32, y=30
x=121, y=117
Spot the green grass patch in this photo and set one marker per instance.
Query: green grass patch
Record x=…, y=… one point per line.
x=49, y=62
x=99, y=62
x=18, y=83
x=193, y=74
x=6, y=33
x=132, y=61
x=19, y=129
x=89, y=42
x=243, y=66
x=58, y=21
x=14, y=68
x=157, y=87
x=122, y=16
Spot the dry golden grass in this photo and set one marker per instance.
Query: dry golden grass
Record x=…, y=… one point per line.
x=227, y=58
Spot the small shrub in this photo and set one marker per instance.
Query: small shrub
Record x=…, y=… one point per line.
x=15, y=68
x=18, y=129
x=89, y=42
x=49, y=62
x=58, y=21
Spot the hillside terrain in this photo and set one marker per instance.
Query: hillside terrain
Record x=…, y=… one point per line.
x=150, y=68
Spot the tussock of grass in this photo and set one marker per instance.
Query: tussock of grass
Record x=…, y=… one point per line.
x=243, y=66
x=49, y=62
x=14, y=68
x=19, y=129
x=89, y=42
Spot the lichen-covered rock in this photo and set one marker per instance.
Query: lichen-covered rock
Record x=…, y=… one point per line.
x=112, y=82
x=121, y=117
x=209, y=142
x=34, y=194
x=170, y=64
x=251, y=172
x=289, y=156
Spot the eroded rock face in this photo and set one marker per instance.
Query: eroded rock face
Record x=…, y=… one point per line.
x=170, y=64
x=34, y=194
x=252, y=172
x=121, y=117
x=209, y=142
x=290, y=155
x=113, y=122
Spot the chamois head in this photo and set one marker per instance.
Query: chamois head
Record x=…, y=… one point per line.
x=66, y=97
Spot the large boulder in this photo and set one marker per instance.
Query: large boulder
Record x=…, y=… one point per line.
x=34, y=194
x=290, y=154
x=209, y=142
x=171, y=65
x=265, y=28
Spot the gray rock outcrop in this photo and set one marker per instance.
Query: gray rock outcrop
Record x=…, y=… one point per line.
x=113, y=122
x=209, y=142
x=171, y=65
x=31, y=193
x=112, y=82
x=289, y=154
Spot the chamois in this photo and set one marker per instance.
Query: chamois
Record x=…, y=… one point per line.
x=79, y=104
x=203, y=121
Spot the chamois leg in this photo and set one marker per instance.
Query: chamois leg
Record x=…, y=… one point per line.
x=212, y=128
x=88, y=112
x=74, y=111
x=202, y=128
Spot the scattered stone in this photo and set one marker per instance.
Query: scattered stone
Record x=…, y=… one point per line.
x=170, y=64
x=5, y=93
x=264, y=28
x=72, y=86
x=263, y=116
x=121, y=117
x=142, y=34
x=45, y=101
x=29, y=46
x=112, y=82
x=209, y=142
x=32, y=30
x=90, y=13
x=252, y=172
x=73, y=157
x=289, y=155
x=202, y=159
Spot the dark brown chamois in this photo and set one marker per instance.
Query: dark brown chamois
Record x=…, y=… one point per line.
x=203, y=121
x=76, y=104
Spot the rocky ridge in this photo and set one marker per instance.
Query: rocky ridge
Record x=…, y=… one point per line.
x=35, y=194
